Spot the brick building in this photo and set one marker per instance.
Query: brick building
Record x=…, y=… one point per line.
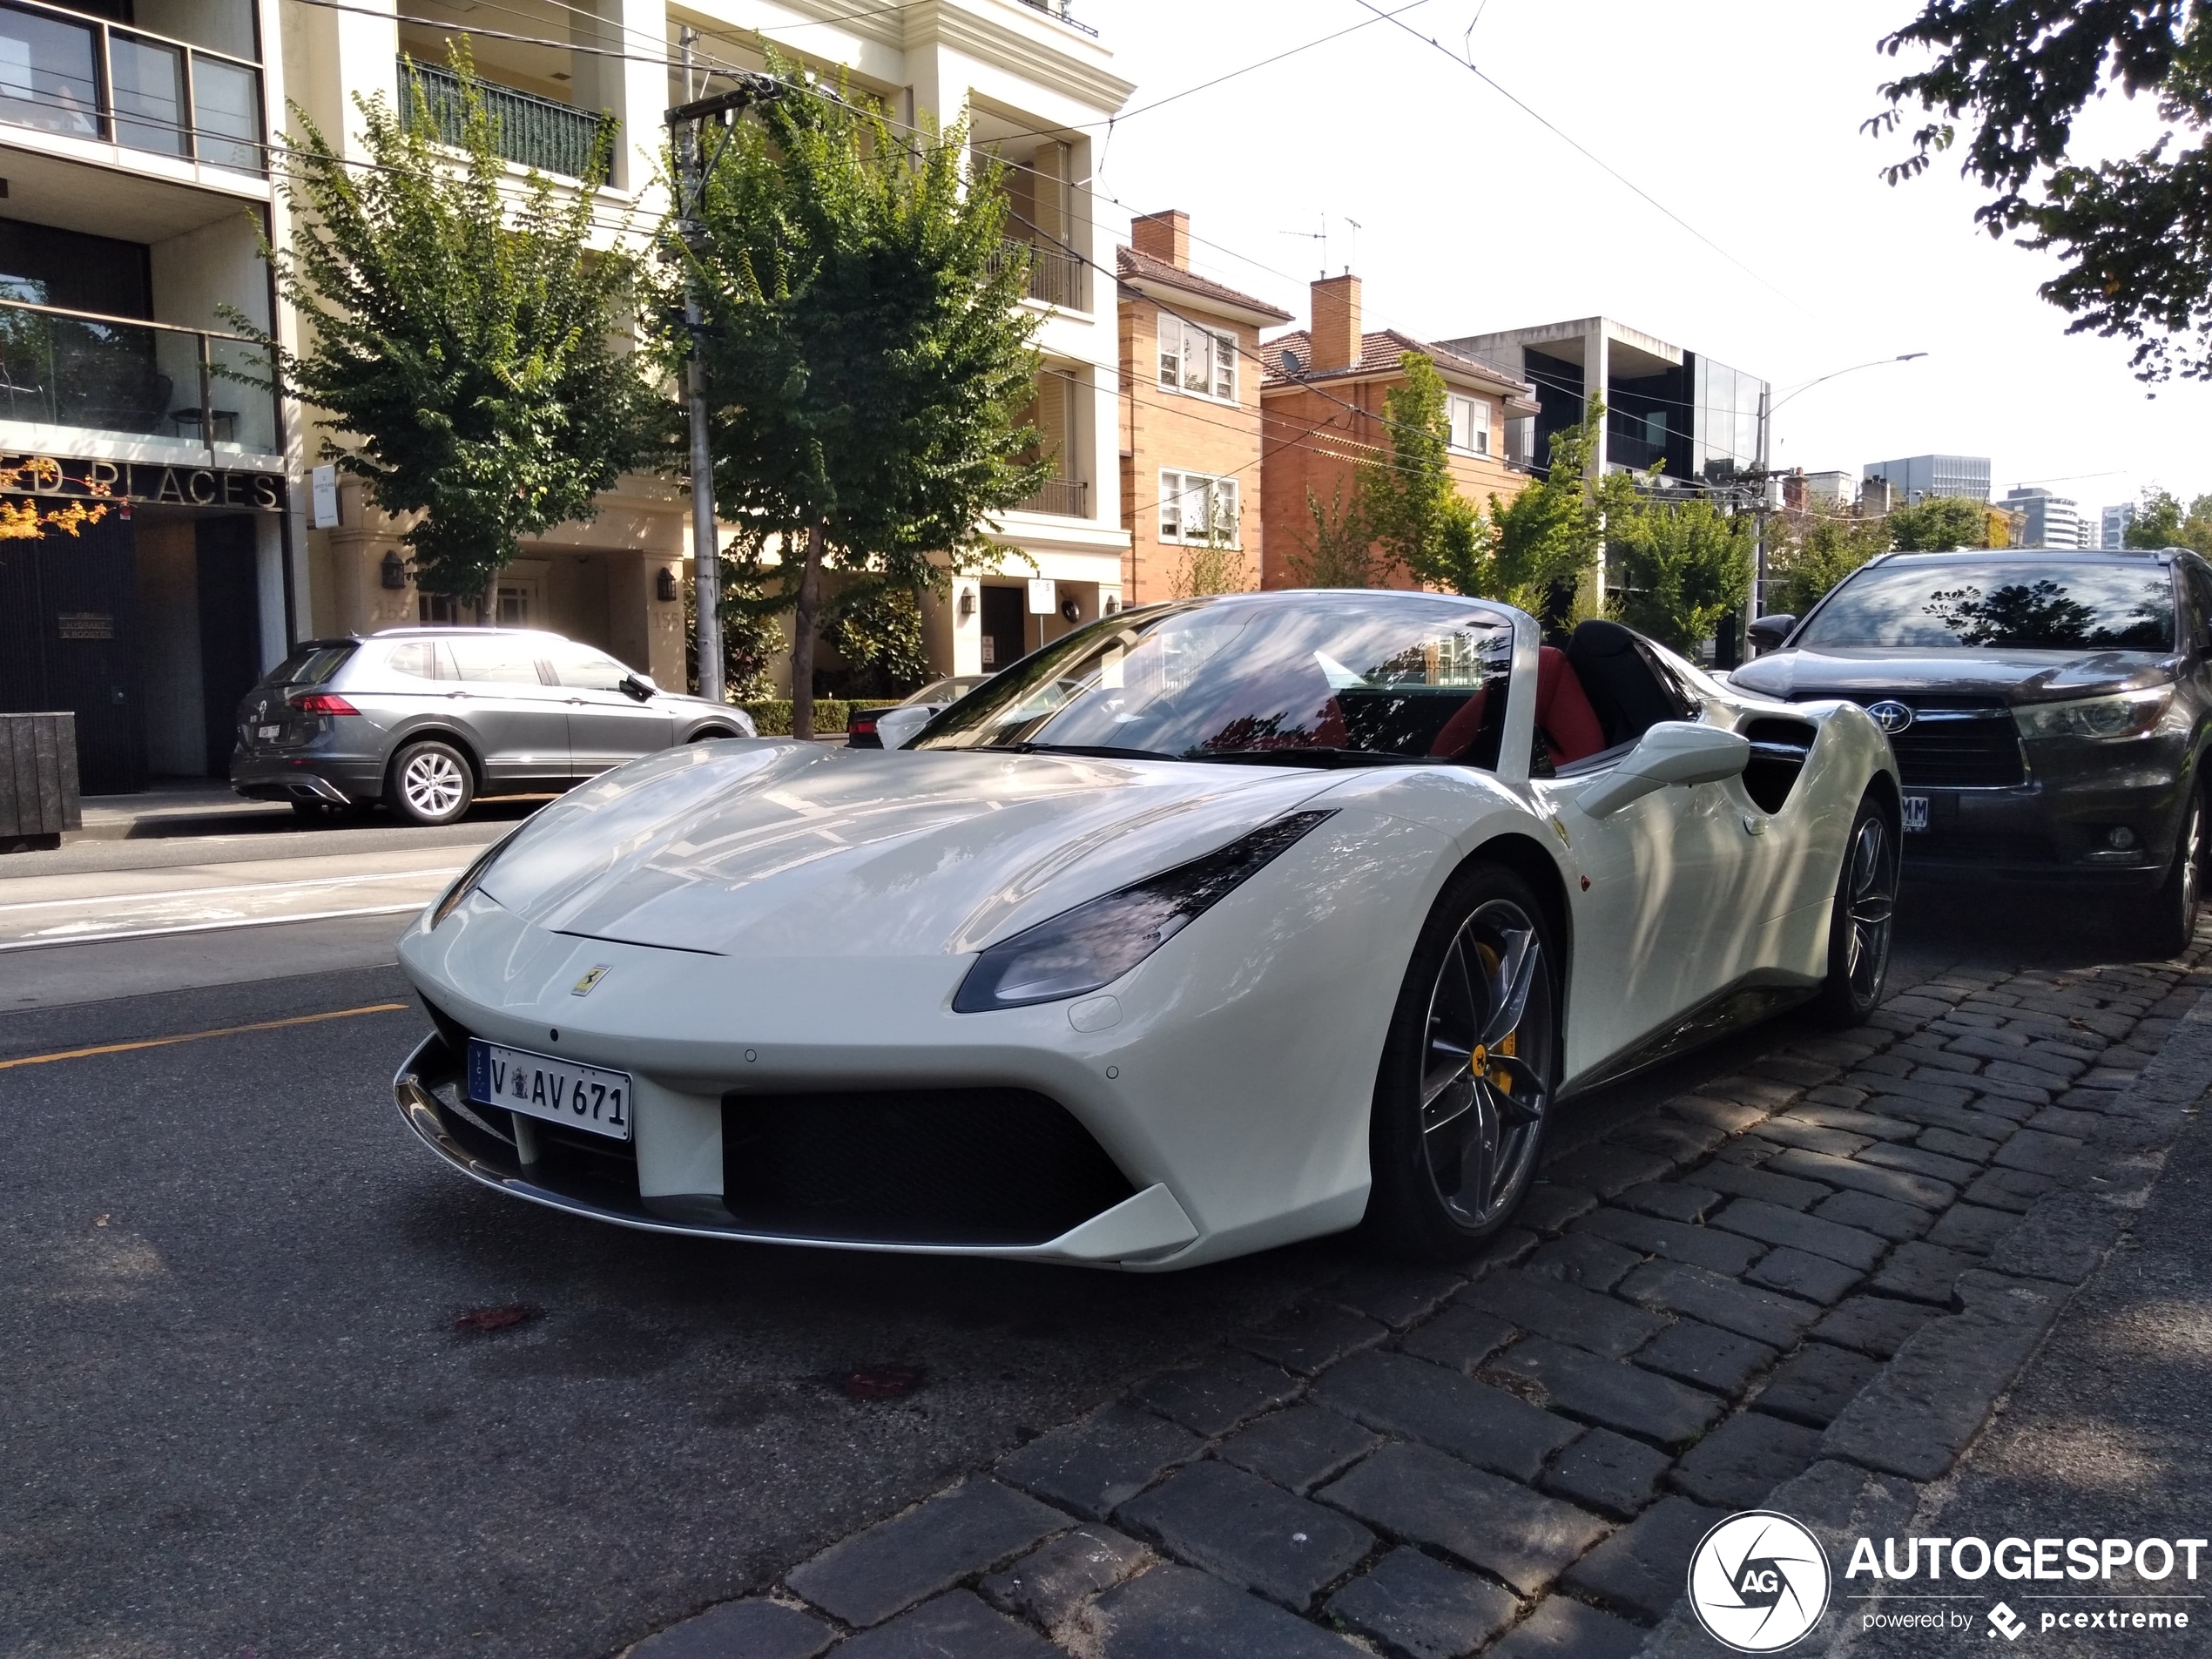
x=1190, y=419
x=1321, y=412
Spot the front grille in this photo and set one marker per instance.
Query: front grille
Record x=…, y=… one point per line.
x=1955, y=743
x=970, y=1166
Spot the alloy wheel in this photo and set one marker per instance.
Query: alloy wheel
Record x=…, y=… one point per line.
x=1869, y=902
x=432, y=783
x=2192, y=857
x=1484, y=1072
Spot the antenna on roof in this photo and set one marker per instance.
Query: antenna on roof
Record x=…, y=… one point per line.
x=1320, y=236
x=1355, y=247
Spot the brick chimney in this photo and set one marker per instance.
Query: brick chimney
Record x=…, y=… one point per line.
x=1164, y=236
x=1336, y=322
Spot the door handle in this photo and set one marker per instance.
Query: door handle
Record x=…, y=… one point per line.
x=574, y=702
x=456, y=697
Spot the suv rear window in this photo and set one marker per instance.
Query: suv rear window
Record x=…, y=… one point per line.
x=2018, y=605
x=309, y=665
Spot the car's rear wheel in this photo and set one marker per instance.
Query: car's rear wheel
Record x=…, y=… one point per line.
x=1468, y=1070
x=431, y=783
x=1864, y=918
x=2170, y=922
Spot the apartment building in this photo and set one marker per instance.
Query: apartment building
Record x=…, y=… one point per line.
x=135, y=184
x=1322, y=413
x=1917, y=478
x=2112, y=524
x=2047, y=520
x=1189, y=414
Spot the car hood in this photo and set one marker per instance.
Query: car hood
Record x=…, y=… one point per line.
x=788, y=850
x=2015, y=676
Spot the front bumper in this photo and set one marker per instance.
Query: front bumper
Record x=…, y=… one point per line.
x=2058, y=824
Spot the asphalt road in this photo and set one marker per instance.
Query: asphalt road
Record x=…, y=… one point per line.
x=237, y=1413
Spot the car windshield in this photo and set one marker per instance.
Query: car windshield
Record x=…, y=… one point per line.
x=1348, y=678
x=309, y=665
x=2020, y=605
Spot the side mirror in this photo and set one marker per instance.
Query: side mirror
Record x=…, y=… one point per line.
x=1671, y=752
x=639, y=686
x=1767, y=633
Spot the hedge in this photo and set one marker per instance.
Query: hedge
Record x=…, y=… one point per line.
x=772, y=715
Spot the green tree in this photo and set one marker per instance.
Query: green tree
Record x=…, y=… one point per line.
x=867, y=355
x=1939, y=524
x=1215, y=565
x=1338, y=551
x=1809, y=552
x=1414, y=511
x=2130, y=231
x=1546, y=540
x=752, y=639
x=2160, y=521
x=465, y=335
x=1677, y=568
x=878, y=631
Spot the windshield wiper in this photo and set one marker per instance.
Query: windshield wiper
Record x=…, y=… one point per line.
x=1314, y=756
x=1099, y=750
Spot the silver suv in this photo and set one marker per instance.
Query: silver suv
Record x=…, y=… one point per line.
x=426, y=720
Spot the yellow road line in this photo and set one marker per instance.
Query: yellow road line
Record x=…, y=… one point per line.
x=195, y=1036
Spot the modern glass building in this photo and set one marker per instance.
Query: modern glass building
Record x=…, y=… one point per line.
x=1919, y=477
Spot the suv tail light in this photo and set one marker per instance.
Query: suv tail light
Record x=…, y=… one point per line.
x=860, y=722
x=323, y=703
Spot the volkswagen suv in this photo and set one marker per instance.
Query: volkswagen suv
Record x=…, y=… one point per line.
x=426, y=720
x=2049, y=711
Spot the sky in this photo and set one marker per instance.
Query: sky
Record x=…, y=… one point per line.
x=1739, y=117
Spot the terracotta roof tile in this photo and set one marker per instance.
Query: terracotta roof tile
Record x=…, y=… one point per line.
x=1146, y=268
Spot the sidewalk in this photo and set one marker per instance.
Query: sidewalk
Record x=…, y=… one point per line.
x=1806, y=1285
x=177, y=807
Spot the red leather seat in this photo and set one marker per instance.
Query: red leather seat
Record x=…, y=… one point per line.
x=1569, y=725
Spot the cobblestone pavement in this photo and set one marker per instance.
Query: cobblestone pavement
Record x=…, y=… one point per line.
x=1803, y=1286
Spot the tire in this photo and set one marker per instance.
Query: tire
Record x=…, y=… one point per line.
x=1467, y=1071
x=430, y=782
x=2169, y=921
x=1862, y=919
x=710, y=734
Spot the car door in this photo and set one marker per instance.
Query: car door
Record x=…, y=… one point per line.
x=607, y=726
x=519, y=723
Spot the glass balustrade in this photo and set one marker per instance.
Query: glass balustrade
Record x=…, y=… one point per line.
x=62, y=72
x=122, y=379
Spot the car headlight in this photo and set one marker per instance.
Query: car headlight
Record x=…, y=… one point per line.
x=2129, y=715
x=1099, y=940
x=466, y=882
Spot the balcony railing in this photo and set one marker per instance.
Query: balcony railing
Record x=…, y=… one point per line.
x=61, y=72
x=1063, y=498
x=1055, y=276
x=527, y=130
x=126, y=379
x=1059, y=9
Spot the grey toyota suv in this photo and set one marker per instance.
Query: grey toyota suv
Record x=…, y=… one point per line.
x=2049, y=711
x=426, y=720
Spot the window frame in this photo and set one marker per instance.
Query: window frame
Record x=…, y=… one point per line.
x=1223, y=351
x=1473, y=405
x=1214, y=484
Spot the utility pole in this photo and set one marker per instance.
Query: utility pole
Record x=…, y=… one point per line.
x=686, y=125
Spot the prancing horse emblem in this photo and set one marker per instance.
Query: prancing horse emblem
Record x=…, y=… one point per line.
x=1890, y=715
x=582, y=986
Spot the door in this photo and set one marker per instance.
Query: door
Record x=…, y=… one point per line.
x=519, y=723
x=606, y=724
x=1005, y=627
x=69, y=639
x=230, y=629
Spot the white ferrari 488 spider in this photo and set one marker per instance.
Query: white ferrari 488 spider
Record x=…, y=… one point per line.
x=1208, y=927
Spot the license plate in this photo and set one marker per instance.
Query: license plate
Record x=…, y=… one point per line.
x=560, y=1091
x=266, y=732
x=1916, y=814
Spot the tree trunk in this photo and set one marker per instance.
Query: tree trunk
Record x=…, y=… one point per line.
x=802, y=638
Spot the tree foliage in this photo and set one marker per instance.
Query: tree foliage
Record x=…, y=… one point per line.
x=1215, y=565
x=2161, y=521
x=1810, y=552
x=1546, y=540
x=1414, y=511
x=868, y=356
x=878, y=633
x=1676, y=568
x=2134, y=233
x=751, y=640
x=463, y=333
x=1939, y=524
x=1337, y=550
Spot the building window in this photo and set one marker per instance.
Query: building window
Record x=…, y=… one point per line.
x=1198, y=359
x=1470, y=418
x=1195, y=507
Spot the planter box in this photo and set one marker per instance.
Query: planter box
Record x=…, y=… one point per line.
x=39, y=793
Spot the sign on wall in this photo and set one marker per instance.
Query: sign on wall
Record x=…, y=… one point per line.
x=1044, y=595
x=75, y=478
x=322, y=484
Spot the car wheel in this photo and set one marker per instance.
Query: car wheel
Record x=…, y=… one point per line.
x=2171, y=922
x=1862, y=919
x=710, y=734
x=1468, y=1070
x=431, y=783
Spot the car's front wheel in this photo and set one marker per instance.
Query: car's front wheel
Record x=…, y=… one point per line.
x=2171, y=921
x=432, y=783
x=1468, y=1070
x=1863, y=916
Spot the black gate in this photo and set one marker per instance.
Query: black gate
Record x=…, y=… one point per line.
x=230, y=629
x=68, y=628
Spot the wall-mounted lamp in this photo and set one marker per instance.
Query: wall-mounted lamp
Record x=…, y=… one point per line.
x=967, y=606
x=394, y=570
x=1071, y=611
x=665, y=585
x=1113, y=605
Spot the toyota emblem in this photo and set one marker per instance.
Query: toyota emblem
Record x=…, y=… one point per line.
x=1890, y=715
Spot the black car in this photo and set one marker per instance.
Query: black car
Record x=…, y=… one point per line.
x=2049, y=711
